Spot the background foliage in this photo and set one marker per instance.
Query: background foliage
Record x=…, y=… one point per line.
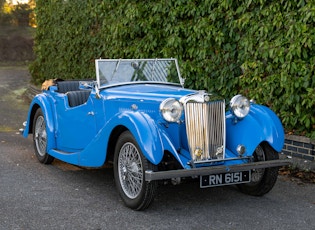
x=16, y=33
x=16, y=14
x=263, y=49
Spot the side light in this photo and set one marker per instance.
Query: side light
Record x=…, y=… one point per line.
x=240, y=106
x=171, y=109
x=241, y=149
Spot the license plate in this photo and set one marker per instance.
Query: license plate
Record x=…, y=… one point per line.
x=224, y=179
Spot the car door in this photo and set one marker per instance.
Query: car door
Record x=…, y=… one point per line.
x=75, y=126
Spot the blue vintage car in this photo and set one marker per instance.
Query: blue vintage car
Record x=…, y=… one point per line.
x=138, y=116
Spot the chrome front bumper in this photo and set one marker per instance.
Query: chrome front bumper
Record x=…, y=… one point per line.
x=151, y=176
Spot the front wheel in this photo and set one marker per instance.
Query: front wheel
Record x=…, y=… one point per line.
x=129, y=169
x=40, y=138
x=262, y=180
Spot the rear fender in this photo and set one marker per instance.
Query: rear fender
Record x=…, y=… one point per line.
x=43, y=102
x=261, y=124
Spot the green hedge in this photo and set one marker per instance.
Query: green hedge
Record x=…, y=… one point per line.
x=264, y=49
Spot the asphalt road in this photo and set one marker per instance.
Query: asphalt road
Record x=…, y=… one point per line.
x=62, y=196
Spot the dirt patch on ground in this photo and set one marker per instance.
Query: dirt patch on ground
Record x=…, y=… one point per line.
x=16, y=48
x=297, y=174
x=16, y=43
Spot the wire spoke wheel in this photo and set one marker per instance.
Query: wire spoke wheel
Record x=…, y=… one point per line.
x=129, y=169
x=258, y=174
x=262, y=180
x=40, y=138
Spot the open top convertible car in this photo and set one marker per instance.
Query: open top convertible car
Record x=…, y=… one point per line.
x=138, y=116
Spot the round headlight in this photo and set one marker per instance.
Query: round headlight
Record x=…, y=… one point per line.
x=240, y=106
x=171, y=109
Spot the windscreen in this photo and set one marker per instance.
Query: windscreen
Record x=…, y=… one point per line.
x=115, y=71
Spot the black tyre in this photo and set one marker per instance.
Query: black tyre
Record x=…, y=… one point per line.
x=262, y=180
x=40, y=138
x=129, y=168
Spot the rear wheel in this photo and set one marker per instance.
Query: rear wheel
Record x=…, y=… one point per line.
x=40, y=138
x=129, y=169
x=262, y=180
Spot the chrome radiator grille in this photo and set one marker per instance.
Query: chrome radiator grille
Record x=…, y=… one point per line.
x=205, y=125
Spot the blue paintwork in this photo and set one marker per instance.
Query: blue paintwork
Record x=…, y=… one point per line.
x=44, y=101
x=80, y=135
x=260, y=125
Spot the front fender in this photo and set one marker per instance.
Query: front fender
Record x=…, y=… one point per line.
x=43, y=102
x=144, y=130
x=261, y=124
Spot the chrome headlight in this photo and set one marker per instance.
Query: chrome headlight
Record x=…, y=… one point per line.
x=240, y=106
x=171, y=109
